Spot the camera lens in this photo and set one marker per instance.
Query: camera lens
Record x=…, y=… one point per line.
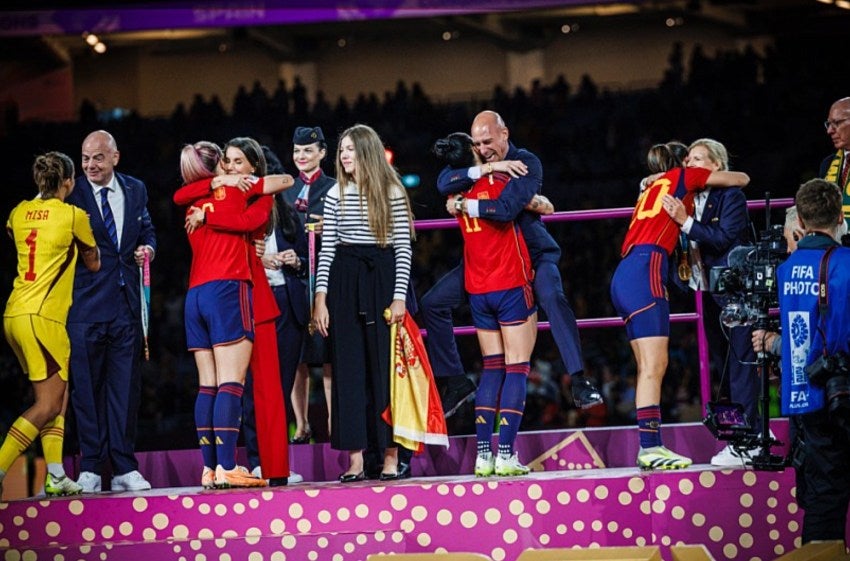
x=838, y=396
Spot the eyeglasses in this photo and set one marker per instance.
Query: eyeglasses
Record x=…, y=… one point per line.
x=836, y=123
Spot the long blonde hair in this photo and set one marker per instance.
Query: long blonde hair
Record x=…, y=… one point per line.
x=376, y=181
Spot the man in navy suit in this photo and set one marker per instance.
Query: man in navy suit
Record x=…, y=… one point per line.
x=491, y=140
x=721, y=223
x=104, y=320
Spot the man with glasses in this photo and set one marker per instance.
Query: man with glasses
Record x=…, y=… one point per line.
x=836, y=167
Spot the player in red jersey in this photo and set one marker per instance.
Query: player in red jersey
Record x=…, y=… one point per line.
x=638, y=288
x=219, y=320
x=497, y=276
x=264, y=410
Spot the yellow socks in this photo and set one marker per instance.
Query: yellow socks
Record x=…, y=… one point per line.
x=52, y=437
x=21, y=434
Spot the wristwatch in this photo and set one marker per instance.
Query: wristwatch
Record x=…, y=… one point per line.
x=459, y=203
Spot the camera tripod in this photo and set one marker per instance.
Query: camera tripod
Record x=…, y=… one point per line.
x=765, y=460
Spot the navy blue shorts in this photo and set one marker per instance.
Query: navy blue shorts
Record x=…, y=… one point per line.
x=492, y=310
x=218, y=313
x=639, y=292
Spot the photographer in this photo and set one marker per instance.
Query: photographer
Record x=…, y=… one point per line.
x=812, y=329
x=770, y=341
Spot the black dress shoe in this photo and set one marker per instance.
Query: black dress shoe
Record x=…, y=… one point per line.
x=403, y=470
x=585, y=394
x=458, y=389
x=278, y=481
x=388, y=476
x=352, y=477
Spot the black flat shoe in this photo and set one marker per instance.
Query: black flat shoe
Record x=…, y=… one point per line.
x=303, y=439
x=352, y=477
x=388, y=476
x=403, y=470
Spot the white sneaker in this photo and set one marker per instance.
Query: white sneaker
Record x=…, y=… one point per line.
x=509, y=465
x=730, y=457
x=89, y=481
x=485, y=464
x=291, y=480
x=132, y=481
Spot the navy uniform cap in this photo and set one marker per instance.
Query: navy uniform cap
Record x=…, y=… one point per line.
x=307, y=135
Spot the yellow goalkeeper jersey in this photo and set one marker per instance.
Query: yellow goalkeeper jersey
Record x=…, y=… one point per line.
x=46, y=234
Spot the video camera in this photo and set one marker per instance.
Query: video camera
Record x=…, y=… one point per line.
x=749, y=281
x=750, y=289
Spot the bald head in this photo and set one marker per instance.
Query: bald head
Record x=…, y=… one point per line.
x=838, y=124
x=842, y=104
x=100, y=156
x=490, y=136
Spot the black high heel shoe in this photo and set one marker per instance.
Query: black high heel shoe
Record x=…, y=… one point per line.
x=303, y=439
x=352, y=477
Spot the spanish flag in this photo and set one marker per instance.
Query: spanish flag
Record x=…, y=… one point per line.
x=415, y=411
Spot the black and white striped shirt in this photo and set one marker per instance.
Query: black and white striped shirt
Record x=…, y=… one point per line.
x=349, y=224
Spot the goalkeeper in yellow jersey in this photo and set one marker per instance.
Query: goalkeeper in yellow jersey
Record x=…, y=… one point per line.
x=49, y=235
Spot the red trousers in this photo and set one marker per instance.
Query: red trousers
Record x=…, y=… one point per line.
x=269, y=408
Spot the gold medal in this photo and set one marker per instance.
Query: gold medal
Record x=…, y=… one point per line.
x=684, y=262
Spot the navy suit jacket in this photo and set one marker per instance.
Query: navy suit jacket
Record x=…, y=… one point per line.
x=510, y=204
x=723, y=226
x=296, y=288
x=316, y=198
x=95, y=294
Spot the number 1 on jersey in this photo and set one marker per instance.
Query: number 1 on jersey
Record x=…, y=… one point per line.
x=30, y=241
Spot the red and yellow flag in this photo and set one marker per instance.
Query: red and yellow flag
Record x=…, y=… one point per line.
x=415, y=411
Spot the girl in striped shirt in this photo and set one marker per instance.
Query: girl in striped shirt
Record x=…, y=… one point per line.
x=364, y=268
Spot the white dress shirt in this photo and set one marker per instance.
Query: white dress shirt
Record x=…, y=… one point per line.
x=116, y=203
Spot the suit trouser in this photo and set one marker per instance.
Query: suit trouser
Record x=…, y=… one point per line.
x=448, y=294
x=290, y=336
x=106, y=390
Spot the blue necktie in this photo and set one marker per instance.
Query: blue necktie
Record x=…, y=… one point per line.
x=108, y=218
x=109, y=222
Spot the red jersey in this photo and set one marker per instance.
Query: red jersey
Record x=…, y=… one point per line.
x=495, y=256
x=216, y=254
x=258, y=211
x=650, y=222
